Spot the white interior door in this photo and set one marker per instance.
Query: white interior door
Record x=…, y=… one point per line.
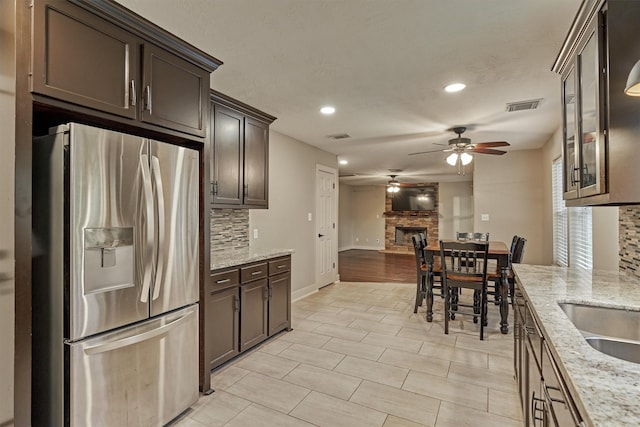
x=326, y=237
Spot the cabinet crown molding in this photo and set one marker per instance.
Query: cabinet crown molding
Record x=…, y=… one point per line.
x=141, y=27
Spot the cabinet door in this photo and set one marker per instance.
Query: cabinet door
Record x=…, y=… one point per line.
x=174, y=92
x=569, y=151
x=253, y=313
x=256, y=160
x=279, y=303
x=591, y=125
x=222, y=326
x=83, y=59
x=562, y=411
x=519, y=343
x=227, y=156
x=534, y=409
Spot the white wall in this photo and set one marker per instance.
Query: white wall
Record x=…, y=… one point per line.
x=510, y=190
x=366, y=206
x=285, y=225
x=345, y=218
x=455, y=208
x=7, y=167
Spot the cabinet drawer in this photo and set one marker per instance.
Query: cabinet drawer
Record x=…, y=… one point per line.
x=253, y=272
x=280, y=265
x=225, y=279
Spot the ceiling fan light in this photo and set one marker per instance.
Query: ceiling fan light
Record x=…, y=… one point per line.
x=452, y=159
x=466, y=158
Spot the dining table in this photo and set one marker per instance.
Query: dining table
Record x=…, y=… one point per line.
x=497, y=251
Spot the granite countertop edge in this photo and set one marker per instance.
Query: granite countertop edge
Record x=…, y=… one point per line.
x=236, y=257
x=606, y=389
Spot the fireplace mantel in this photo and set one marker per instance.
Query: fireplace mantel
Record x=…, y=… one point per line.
x=410, y=213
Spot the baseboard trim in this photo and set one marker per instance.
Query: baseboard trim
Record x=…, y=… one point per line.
x=299, y=294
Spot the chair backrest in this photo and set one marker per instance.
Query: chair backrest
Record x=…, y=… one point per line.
x=419, y=250
x=518, y=252
x=464, y=261
x=477, y=237
x=514, y=241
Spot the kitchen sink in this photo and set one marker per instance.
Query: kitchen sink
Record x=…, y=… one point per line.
x=626, y=350
x=606, y=321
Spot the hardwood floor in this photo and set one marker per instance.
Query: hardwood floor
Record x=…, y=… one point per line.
x=358, y=265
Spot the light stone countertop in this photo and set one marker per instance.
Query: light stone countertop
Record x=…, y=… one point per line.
x=606, y=389
x=232, y=258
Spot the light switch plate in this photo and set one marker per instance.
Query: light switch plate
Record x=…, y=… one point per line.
x=484, y=217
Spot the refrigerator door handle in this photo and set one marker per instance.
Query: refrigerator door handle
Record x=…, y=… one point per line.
x=149, y=220
x=155, y=165
x=135, y=339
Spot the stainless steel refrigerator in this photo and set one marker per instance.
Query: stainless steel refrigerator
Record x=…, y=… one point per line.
x=115, y=279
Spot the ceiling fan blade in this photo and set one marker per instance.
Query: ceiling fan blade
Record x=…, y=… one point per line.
x=425, y=152
x=481, y=150
x=492, y=144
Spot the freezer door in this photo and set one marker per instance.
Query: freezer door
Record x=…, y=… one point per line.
x=144, y=375
x=175, y=172
x=109, y=228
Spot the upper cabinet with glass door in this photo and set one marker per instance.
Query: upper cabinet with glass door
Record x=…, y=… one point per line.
x=601, y=125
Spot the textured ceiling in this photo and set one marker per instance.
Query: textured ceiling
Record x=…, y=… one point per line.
x=383, y=65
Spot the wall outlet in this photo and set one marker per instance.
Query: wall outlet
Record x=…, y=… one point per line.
x=255, y=233
x=484, y=217
x=377, y=240
x=309, y=217
x=357, y=239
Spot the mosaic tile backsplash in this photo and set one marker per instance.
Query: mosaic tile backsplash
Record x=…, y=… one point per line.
x=229, y=229
x=629, y=232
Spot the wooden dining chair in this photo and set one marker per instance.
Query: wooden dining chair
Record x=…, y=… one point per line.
x=464, y=265
x=422, y=272
x=516, y=254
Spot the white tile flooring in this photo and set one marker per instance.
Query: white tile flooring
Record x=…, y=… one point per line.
x=359, y=356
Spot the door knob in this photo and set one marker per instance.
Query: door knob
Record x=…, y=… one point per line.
x=320, y=235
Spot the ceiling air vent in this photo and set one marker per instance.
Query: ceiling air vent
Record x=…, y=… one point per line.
x=339, y=136
x=524, y=105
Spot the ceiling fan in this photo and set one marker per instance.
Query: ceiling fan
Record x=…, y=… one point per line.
x=393, y=186
x=461, y=149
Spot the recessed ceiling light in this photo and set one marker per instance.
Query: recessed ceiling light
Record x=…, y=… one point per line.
x=327, y=110
x=343, y=162
x=455, y=87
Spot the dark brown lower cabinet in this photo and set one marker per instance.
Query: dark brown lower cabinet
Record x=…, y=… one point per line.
x=224, y=312
x=253, y=313
x=545, y=398
x=244, y=306
x=279, y=303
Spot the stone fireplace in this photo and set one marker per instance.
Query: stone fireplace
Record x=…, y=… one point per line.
x=403, y=234
x=400, y=226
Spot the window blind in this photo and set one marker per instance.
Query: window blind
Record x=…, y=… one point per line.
x=560, y=232
x=580, y=252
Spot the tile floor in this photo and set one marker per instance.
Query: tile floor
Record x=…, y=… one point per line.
x=358, y=356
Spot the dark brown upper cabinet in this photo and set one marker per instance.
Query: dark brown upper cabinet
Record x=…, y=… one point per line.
x=174, y=92
x=239, y=155
x=81, y=56
x=600, y=122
